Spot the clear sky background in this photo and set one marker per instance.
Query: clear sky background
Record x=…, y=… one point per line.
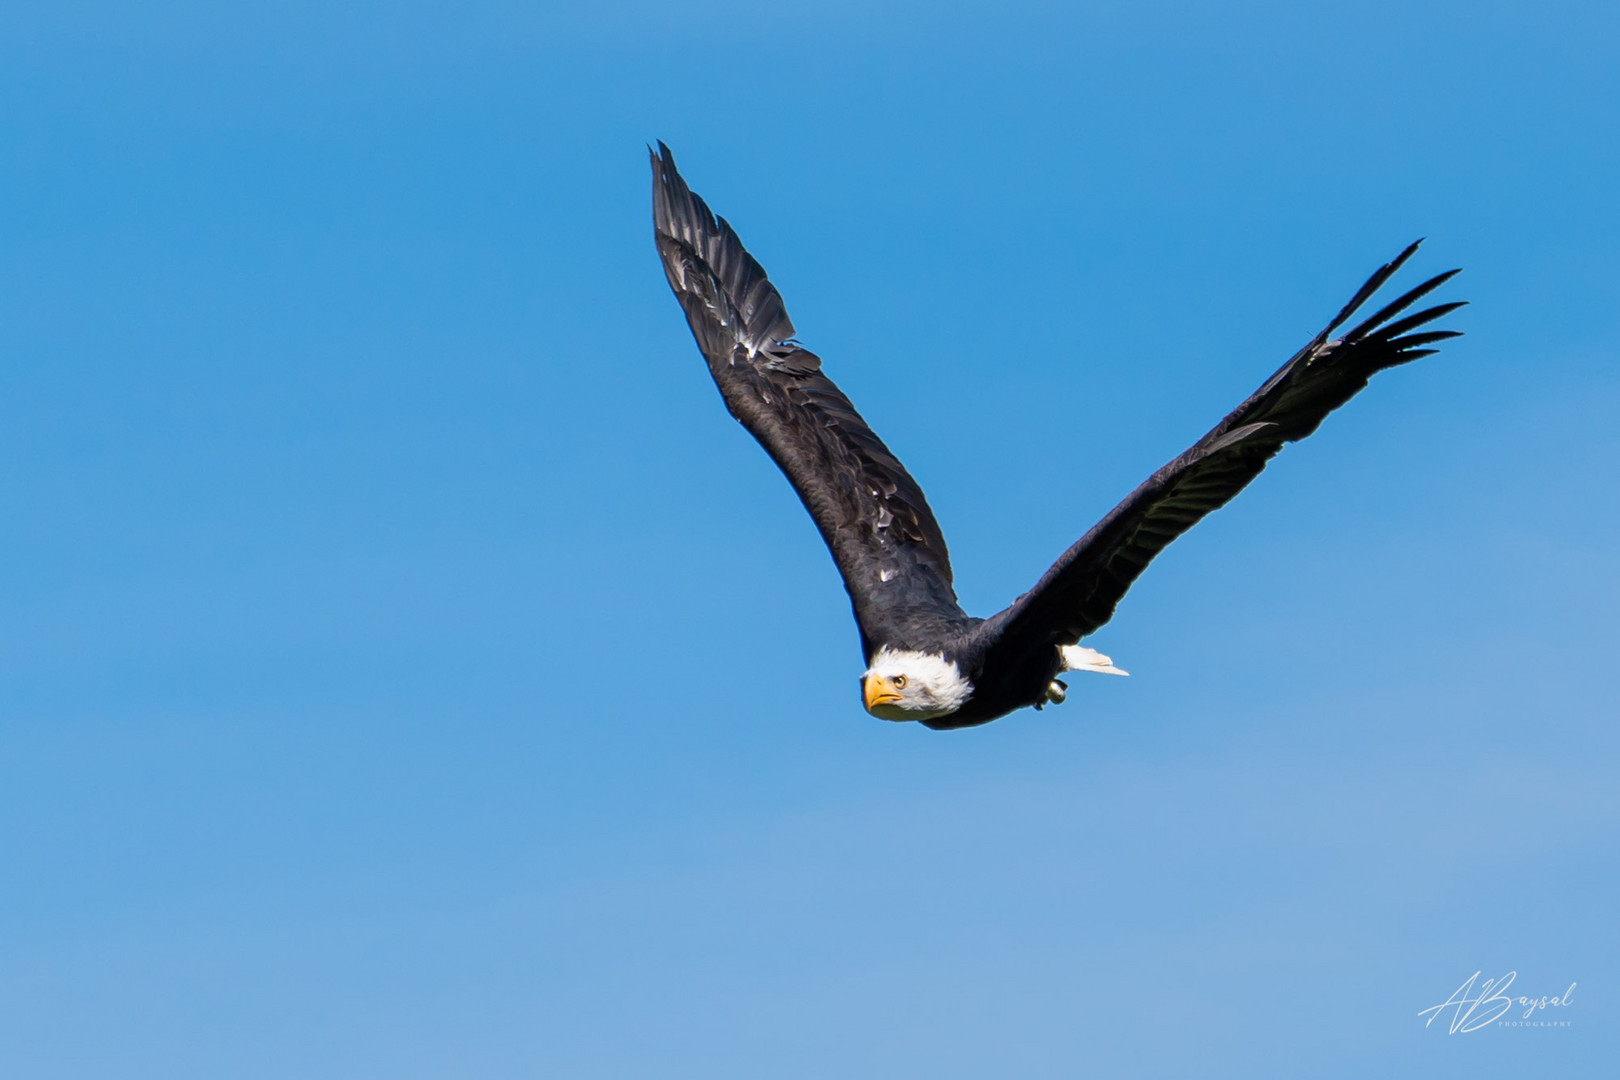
x=408, y=670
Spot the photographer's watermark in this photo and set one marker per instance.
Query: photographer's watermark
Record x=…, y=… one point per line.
x=1486, y=1008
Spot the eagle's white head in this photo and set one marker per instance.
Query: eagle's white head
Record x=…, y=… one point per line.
x=906, y=685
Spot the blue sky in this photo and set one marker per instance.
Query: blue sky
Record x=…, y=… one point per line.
x=409, y=670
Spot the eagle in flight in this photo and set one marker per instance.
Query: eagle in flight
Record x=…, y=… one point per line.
x=928, y=660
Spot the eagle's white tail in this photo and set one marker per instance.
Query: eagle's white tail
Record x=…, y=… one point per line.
x=1080, y=658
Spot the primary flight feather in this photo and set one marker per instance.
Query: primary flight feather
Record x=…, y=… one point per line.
x=927, y=659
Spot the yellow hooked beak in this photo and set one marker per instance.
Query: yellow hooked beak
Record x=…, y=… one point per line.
x=879, y=690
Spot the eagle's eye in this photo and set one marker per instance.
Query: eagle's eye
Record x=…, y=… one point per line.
x=899, y=682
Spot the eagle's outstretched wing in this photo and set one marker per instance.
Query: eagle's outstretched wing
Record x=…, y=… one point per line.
x=1079, y=593
x=870, y=511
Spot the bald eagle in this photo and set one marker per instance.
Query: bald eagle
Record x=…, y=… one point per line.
x=928, y=660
